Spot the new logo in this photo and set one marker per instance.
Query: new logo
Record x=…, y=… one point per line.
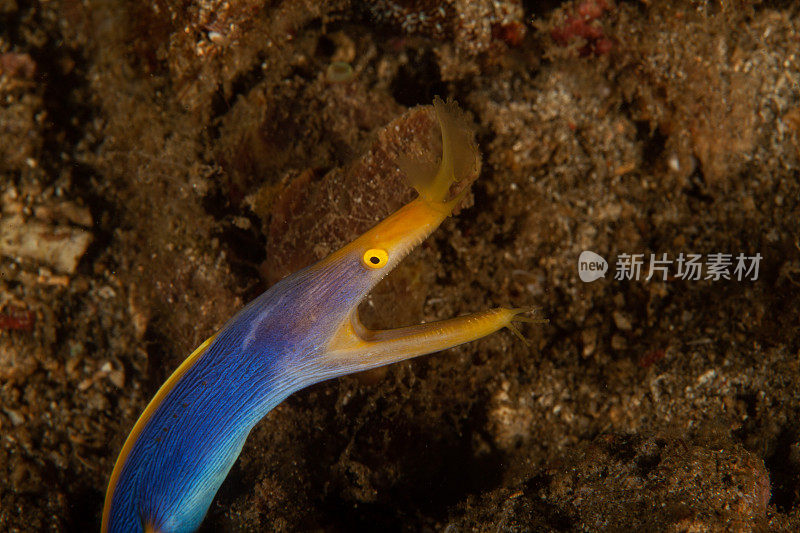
x=591, y=266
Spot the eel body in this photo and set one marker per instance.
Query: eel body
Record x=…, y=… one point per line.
x=303, y=330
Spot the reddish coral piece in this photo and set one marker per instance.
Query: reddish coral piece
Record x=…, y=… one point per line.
x=602, y=46
x=511, y=33
x=579, y=24
x=17, y=319
x=652, y=357
x=592, y=9
x=17, y=65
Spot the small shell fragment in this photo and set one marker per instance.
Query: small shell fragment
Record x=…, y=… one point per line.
x=339, y=72
x=60, y=247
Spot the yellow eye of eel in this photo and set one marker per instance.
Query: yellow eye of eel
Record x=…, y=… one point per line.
x=303, y=330
x=375, y=258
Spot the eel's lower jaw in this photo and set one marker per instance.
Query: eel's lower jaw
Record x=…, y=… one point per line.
x=359, y=348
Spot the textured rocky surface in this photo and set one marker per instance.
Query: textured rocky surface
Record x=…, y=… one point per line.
x=179, y=157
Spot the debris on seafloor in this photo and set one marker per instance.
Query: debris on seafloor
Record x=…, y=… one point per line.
x=223, y=149
x=339, y=72
x=581, y=26
x=636, y=483
x=16, y=318
x=334, y=220
x=59, y=246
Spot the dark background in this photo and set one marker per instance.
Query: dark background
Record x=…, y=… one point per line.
x=188, y=154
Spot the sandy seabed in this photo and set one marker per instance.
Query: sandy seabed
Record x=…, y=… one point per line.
x=162, y=163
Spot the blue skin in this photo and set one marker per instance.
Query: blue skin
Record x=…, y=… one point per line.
x=303, y=330
x=263, y=354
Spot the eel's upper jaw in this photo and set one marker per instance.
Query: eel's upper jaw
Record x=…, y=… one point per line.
x=440, y=192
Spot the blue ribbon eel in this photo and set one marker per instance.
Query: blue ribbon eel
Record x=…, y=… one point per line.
x=303, y=330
